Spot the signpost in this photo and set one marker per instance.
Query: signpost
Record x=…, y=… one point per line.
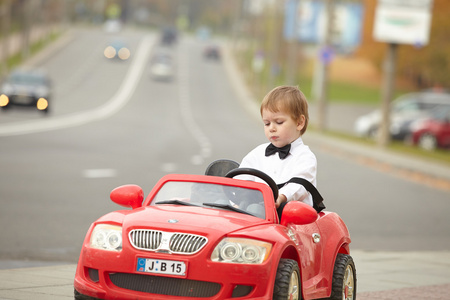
x=398, y=22
x=334, y=26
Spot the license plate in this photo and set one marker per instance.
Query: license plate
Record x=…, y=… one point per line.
x=23, y=99
x=161, y=266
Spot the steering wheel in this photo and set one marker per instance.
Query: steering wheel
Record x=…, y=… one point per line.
x=257, y=173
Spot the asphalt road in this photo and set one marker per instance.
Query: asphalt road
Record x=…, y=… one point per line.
x=111, y=124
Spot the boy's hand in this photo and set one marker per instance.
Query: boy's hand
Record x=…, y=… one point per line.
x=281, y=199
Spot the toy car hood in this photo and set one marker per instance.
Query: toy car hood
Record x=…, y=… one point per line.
x=186, y=218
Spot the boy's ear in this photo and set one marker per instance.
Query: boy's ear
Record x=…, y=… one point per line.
x=301, y=122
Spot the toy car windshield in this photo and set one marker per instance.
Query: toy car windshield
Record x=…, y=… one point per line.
x=215, y=196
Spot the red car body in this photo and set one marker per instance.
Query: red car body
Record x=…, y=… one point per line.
x=433, y=132
x=311, y=239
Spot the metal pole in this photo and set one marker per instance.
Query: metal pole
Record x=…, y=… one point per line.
x=324, y=66
x=274, y=49
x=291, y=67
x=384, y=136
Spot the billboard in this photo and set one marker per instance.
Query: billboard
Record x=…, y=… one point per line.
x=403, y=22
x=305, y=21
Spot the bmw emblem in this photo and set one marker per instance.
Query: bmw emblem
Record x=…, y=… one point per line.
x=172, y=221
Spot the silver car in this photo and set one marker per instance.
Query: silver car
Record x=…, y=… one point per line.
x=162, y=67
x=404, y=110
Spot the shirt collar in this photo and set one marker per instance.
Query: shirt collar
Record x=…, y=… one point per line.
x=296, y=143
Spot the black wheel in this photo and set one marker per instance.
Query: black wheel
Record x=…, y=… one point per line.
x=344, y=278
x=287, y=283
x=257, y=173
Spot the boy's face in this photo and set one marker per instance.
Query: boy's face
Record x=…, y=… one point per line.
x=280, y=129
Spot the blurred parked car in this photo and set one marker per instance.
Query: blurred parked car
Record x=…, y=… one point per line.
x=26, y=88
x=404, y=110
x=434, y=131
x=117, y=49
x=169, y=35
x=212, y=52
x=162, y=67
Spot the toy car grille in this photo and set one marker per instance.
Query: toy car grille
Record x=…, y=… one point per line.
x=165, y=285
x=170, y=242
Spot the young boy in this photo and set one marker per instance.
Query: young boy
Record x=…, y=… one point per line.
x=284, y=112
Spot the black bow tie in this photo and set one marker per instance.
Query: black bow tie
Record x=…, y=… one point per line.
x=282, y=152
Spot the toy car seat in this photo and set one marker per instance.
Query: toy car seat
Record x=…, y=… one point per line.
x=221, y=167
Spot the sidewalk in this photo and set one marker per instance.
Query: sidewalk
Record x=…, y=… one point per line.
x=402, y=275
x=380, y=275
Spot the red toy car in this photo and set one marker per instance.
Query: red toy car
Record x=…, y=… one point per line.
x=213, y=237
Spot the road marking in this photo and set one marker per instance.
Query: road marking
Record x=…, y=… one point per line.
x=187, y=115
x=119, y=100
x=168, y=167
x=99, y=173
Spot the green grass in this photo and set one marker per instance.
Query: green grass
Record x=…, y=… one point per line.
x=339, y=92
x=17, y=58
x=346, y=92
x=439, y=155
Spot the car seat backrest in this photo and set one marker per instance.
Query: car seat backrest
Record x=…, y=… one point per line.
x=221, y=167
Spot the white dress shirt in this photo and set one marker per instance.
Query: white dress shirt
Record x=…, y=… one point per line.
x=300, y=162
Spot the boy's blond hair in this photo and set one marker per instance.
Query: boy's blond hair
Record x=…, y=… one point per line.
x=287, y=99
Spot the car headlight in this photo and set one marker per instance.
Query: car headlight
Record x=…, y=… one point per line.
x=42, y=104
x=124, y=53
x=110, y=52
x=106, y=237
x=241, y=251
x=4, y=100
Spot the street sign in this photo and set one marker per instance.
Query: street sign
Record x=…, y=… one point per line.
x=403, y=21
x=306, y=21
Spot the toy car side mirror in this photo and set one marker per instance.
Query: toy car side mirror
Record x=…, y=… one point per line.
x=298, y=213
x=129, y=195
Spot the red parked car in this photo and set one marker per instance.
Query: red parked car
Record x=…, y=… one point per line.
x=213, y=237
x=433, y=132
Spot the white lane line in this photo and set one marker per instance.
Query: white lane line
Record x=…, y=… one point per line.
x=169, y=167
x=111, y=107
x=187, y=115
x=99, y=173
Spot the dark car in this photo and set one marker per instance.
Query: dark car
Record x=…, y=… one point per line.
x=169, y=35
x=212, y=52
x=26, y=88
x=432, y=132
